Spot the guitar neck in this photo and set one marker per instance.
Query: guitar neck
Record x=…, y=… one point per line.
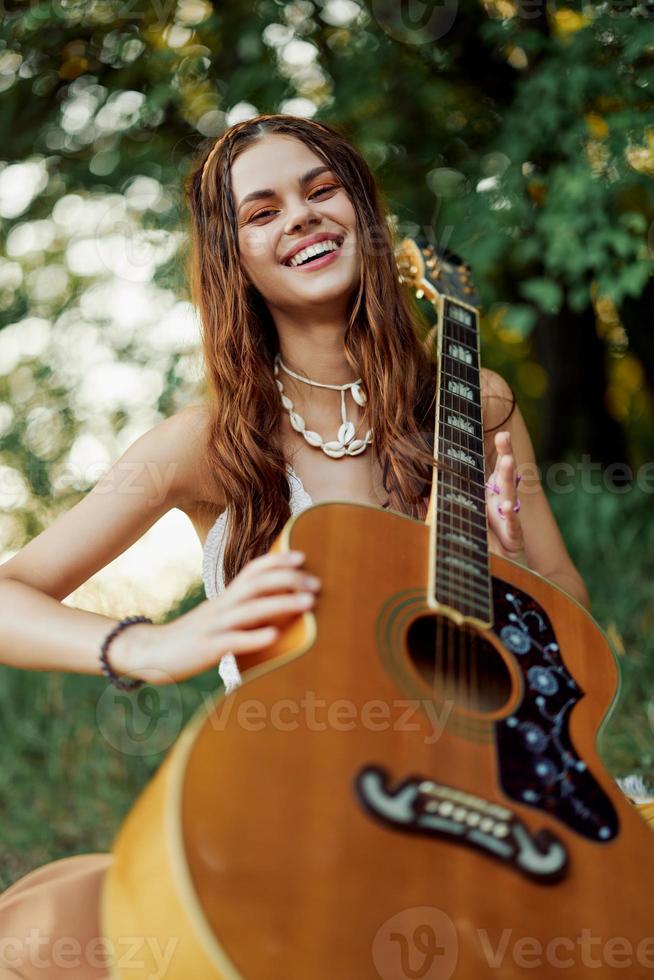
x=460, y=577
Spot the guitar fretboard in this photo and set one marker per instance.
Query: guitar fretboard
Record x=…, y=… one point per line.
x=460, y=548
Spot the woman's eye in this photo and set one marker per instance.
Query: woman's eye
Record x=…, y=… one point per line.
x=321, y=190
x=260, y=214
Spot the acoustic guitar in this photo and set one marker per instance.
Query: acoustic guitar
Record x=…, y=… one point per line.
x=407, y=783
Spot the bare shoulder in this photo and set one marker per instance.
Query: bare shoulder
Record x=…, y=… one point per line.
x=496, y=396
x=497, y=401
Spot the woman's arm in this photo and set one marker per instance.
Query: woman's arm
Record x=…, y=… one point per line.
x=532, y=532
x=38, y=632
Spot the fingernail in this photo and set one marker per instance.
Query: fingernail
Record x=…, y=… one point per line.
x=499, y=510
x=517, y=479
x=517, y=507
x=296, y=556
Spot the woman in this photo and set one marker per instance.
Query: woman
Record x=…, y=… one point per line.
x=259, y=198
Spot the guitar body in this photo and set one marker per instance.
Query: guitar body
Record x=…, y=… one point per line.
x=338, y=816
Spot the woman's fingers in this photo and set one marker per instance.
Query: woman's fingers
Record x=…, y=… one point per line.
x=503, y=505
x=278, y=580
x=240, y=641
x=264, y=611
x=272, y=559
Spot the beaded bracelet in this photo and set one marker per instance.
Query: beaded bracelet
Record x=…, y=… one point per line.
x=107, y=669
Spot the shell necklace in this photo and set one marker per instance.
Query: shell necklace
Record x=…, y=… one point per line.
x=345, y=444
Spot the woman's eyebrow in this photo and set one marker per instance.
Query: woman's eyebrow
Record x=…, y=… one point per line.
x=269, y=192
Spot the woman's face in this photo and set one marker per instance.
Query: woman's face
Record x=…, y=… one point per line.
x=291, y=206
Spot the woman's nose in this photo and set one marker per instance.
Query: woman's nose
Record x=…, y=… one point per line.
x=300, y=215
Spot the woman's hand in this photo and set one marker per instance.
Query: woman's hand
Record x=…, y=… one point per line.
x=502, y=505
x=265, y=596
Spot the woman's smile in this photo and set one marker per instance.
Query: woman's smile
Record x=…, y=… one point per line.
x=319, y=250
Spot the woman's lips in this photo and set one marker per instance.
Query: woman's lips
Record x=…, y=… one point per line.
x=325, y=259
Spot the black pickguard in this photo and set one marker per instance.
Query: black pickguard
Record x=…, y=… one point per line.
x=538, y=764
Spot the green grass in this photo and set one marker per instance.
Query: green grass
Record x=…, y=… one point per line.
x=65, y=788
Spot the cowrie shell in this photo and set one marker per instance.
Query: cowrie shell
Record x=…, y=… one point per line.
x=369, y=436
x=297, y=422
x=346, y=432
x=279, y=384
x=334, y=449
x=358, y=394
x=312, y=437
x=356, y=447
x=287, y=403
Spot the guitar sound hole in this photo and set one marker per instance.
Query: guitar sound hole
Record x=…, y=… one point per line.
x=458, y=664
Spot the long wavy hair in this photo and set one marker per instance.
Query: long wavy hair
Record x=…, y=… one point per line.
x=382, y=345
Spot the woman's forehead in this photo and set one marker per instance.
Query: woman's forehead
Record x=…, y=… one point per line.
x=270, y=162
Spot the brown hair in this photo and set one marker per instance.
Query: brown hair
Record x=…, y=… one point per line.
x=239, y=342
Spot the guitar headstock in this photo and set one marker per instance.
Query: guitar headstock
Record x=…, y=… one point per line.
x=432, y=270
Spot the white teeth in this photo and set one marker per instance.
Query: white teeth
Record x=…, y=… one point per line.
x=329, y=245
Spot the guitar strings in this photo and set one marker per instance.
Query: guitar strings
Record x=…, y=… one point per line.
x=459, y=673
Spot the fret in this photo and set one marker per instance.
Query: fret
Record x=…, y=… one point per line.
x=460, y=454
x=459, y=409
x=457, y=537
x=475, y=533
x=480, y=552
x=461, y=389
x=458, y=563
x=478, y=532
x=461, y=316
x=452, y=331
x=470, y=508
x=463, y=586
x=460, y=424
x=460, y=371
x=461, y=483
x=455, y=594
x=463, y=521
x=454, y=496
x=456, y=460
x=475, y=560
x=459, y=352
x=452, y=338
x=472, y=475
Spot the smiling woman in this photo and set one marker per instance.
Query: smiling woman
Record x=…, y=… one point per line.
x=292, y=269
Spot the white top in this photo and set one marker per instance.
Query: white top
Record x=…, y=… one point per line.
x=212, y=567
